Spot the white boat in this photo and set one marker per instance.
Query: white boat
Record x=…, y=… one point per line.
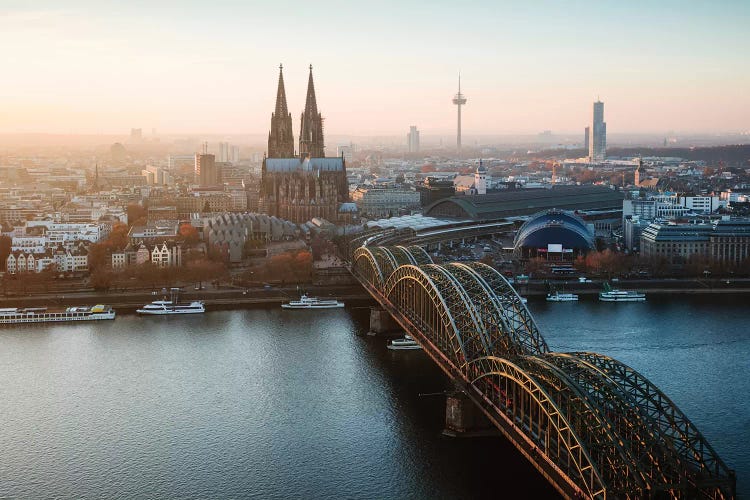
x=614, y=295
x=306, y=302
x=405, y=344
x=16, y=316
x=561, y=297
x=172, y=306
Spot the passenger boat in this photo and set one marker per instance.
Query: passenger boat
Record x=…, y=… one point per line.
x=306, y=302
x=173, y=306
x=15, y=316
x=561, y=297
x=405, y=344
x=614, y=295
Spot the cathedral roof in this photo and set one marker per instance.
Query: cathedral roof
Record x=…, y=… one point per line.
x=304, y=165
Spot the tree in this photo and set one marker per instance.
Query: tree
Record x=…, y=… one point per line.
x=118, y=238
x=188, y=233
x=5, y=244
x=135, y=213
x=99, y=256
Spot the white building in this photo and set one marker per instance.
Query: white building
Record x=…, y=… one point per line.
x=382, y=202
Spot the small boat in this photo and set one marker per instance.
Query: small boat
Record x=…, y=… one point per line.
x=614, y=295
x=172, y=306
x=306, y=302
x=405, y=344
x=524, y=300
x=561, y=297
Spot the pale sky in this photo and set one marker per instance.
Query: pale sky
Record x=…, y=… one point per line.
x=184, y=66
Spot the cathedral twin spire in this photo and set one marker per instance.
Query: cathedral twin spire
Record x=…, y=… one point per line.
x=281, y=139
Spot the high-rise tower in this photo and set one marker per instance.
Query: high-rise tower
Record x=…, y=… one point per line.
x=311, y=126
x=598, y=141
x=459, y=100
x=280, y=137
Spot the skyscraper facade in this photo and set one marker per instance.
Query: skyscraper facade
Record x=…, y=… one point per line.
x=586, y=133
x=598, y=140
x=412, y=139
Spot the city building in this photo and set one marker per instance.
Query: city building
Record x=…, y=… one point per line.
x=412, y=139
x=586, y=133
x=523, y=202
x=434, y=189
x=725, y=241
x=206, y=171
x=475, y=183
x=301, y=188
x=598, y=139
x=385, y=201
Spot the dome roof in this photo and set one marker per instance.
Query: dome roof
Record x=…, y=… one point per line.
x=554, y=226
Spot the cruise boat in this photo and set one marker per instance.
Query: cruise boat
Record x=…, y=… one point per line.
x=405, y=344
x=16, y=316
x=614, y=295
x=306, y=302
x=561, y=297
x=173, y=306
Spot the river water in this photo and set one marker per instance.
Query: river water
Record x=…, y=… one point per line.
x=302, y=404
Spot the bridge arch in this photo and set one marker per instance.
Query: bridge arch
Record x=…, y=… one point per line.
x=515, y=394
x=414, y=292
x=696, y=463
x=367, y=267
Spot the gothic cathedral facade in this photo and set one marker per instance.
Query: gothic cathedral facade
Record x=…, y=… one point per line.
x=300, y=187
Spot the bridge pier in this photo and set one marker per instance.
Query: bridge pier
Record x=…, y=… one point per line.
x=381, y=321
x=464, y=419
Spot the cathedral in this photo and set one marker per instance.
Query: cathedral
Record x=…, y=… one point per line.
x=306, y=185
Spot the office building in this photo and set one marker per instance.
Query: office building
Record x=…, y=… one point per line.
x=206, y=171
x=598, y=138
x=412, y=139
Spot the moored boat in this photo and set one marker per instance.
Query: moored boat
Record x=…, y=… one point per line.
x=306, y=302
x=405, y=344
x=173, y=306
x=561, y=297
x=16, y=316
x=614, y=295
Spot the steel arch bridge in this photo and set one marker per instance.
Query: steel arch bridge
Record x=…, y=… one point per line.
x=593, y=426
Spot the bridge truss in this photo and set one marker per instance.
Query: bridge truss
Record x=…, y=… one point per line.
x=592, y=425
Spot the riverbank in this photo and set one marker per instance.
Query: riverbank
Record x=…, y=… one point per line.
x=214, y=298
x=353, y=294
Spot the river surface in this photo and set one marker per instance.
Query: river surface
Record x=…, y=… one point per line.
x=302, y=404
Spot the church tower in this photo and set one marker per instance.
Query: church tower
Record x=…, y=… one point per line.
x=311, y=126
x=280, y=138
x=480, y=179
x=638, y=173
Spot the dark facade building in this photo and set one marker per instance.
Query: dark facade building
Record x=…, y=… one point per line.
x=519, y=202
x=207, y=173
x=300, y=188
x=435, y=189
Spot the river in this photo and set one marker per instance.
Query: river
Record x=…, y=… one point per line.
x=301, y=404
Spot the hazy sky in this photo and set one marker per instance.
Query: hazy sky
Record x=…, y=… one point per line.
x=211, y=66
